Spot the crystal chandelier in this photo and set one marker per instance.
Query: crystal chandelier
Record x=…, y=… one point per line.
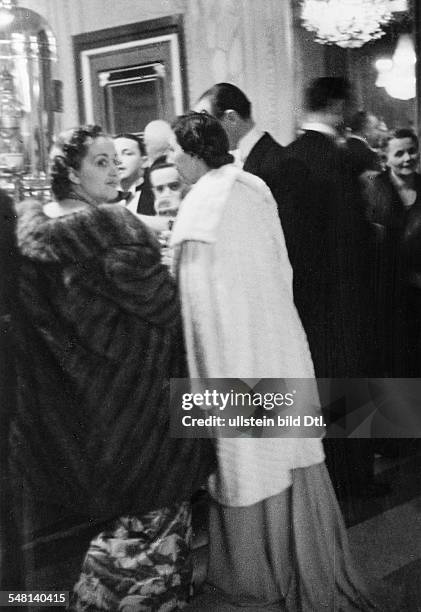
x=347, y=23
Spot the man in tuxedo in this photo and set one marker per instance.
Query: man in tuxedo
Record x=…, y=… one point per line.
x=334, y=270
x=156, y=138
x=256, y=151
x=132, y=163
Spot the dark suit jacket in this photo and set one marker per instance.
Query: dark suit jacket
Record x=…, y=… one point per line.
x=145, y=206
x=284, y=176
x=362, y=157
x=333, y=261
x=265, y=160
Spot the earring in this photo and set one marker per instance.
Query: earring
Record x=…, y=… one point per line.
x=73, y=178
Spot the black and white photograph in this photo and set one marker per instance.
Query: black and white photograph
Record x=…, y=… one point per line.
x=210, y=305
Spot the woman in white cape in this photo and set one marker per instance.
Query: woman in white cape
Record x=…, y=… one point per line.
x=276, y=536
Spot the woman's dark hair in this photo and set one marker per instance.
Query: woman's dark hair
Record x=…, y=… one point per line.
x=133, y=137
x=68, y=152
x=202, y=136
x=402, y=133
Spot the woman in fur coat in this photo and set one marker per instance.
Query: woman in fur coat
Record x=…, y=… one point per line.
x=276, y=536
x=98, y=334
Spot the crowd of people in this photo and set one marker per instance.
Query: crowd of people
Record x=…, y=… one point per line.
x=204, y=250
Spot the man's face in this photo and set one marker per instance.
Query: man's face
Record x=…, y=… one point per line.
x=130, y=159
x=167, y=189
x=228, y=120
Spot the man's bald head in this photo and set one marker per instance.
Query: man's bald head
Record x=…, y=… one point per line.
x=157, y=138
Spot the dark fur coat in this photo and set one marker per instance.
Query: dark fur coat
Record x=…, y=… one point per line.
x=98, y=334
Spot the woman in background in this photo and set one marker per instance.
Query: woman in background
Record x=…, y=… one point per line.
x=276, y=536
x=394, y=209
x=98, y=333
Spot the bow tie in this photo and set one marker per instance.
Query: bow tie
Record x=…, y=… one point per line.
x=131, y=194
x=127, y=195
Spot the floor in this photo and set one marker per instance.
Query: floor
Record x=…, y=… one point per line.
x=384, y=532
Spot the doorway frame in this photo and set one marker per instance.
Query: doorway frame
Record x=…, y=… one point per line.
x=132, y=35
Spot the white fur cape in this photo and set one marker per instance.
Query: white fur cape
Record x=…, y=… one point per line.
x=240, y=320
